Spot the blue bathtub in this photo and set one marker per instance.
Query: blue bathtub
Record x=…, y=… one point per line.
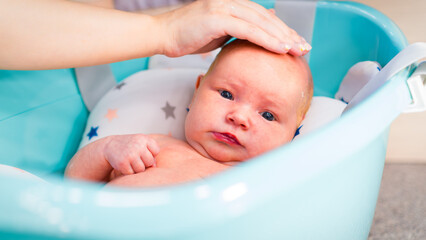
x=322, y=186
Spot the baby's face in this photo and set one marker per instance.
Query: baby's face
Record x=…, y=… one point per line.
x=248, y=103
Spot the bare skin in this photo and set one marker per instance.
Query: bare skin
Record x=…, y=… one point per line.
x=249, y=102
x=50, y=34
x=176, y=162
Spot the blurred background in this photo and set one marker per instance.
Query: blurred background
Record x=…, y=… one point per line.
x=407, y=139
x=401, y=206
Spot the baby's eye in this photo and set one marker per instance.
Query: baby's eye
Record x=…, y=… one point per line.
x=226, y=94
x=268, y=116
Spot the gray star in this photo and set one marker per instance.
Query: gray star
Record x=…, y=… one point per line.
x=120, y=85
x=169, y=110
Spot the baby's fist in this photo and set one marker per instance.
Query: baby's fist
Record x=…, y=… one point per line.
x=131, y=154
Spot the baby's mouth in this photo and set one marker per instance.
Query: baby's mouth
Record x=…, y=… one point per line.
x=228, y=138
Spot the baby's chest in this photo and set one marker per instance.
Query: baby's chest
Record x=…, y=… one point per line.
x=187, y=164
x=176, y=156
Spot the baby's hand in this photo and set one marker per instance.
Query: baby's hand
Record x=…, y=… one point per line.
x=131, y=154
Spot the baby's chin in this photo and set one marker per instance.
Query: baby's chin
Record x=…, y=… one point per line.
x=216, y=155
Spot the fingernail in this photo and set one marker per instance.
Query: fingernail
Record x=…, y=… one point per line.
x=285, y=46
x=308, y=47
x=302, y=47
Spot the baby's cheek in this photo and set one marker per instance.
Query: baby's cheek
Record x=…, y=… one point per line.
x=263, y=143
x=281, y=136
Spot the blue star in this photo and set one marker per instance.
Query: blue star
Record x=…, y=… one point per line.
x=93, y=132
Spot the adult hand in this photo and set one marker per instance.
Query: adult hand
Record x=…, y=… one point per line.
x=207, y=24
x=45, y=34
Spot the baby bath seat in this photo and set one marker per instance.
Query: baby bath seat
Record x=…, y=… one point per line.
x=321, y=186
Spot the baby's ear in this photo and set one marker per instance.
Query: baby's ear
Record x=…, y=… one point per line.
x=197, y=84
x=300, y=119
x=199, y=78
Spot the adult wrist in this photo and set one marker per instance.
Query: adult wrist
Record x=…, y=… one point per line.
x=160, y=33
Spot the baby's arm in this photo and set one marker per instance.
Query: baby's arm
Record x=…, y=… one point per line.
x=174, y=168
x=127, y=154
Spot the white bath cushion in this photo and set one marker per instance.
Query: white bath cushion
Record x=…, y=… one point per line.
x=155, y=101
x=356, y=78
x=322, y=111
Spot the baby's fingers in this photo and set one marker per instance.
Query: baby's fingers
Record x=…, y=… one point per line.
x=125, y=168
x=147, y=158
x=153, y=147
x=138, y=165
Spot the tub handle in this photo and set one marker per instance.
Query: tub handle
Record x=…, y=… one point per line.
x=417, y=86
x=406, y=58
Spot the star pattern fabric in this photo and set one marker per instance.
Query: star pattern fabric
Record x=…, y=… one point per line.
x=120, y=85
x=147, y=105
x=111, y=114
x=169, y=110
x=143, y=103
x=93, y=132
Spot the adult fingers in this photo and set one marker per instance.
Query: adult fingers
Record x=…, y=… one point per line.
x=243, y=30
x=256, y=14
x=213, y=44
x=271, y=24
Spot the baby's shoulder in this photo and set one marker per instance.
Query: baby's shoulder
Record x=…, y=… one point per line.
x=167, y=140
x=174, y=151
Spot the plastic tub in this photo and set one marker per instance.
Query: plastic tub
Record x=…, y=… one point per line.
x=321, y=186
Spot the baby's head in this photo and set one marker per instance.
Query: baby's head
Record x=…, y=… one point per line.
x=250, y=101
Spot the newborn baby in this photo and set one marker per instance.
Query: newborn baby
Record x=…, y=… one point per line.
x=250, y=101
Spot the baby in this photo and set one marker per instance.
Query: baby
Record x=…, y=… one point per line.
x=250, y=101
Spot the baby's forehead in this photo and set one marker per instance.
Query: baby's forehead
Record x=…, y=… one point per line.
x=243, y=51
x=242, y=57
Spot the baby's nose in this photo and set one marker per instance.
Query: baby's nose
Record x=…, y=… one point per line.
x=239, y=118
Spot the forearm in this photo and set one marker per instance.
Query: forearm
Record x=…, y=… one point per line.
x=154, y=177
x=46, y=34
x=89, y=163
x=188, y=170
